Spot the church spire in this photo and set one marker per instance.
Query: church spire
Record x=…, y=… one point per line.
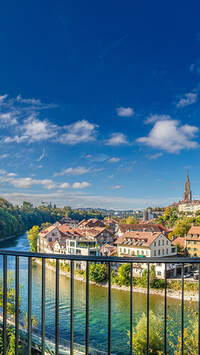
x=187, y=195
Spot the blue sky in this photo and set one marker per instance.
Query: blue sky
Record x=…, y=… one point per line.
x=99, y=102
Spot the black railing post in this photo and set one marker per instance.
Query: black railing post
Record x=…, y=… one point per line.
x=29, y=305
x=87, y=310
x=16, y=304
x=131, y=309
x=109, y=308
x=72, y=310
x=43, y=306
x=4, y=304
x=57, y=309
x=165, y=314
x=182, y=311
x=148, y=309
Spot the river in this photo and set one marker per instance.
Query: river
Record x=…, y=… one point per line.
x=98, y=305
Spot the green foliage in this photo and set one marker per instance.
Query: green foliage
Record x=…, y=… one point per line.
x=98, y=272
x=155, y=335
x=124, y=274
x=15, y=220
x=129, y=220
x=10, y=293
x=181, y=228
x=32, y=236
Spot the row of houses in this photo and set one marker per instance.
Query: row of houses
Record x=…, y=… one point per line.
x=95, y=238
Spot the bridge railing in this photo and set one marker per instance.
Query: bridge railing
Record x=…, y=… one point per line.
x=88, y=259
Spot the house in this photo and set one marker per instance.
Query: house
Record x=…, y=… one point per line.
x=145, y=227
x=192, y=243
x=84, y=247
x=112, y=224
x=50, y=234
x=101, y=235
x=146, y=244
x=179, y=241
x=108, y=250
x=59, y=247
x=91, y=223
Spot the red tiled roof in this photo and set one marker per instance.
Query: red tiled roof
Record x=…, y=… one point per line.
x=194, y=230
x=180, y=241
x=147, y=237
x=140, y=227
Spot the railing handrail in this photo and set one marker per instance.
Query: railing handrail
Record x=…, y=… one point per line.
x=108, y=259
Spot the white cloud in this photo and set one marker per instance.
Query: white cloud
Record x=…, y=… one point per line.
x=114, y=160
x=3, y=156
x=155, y=156
x=110, y=176
x=8, y=119
x=36, y=102
x=155, y=118
x=80, y=185
x=65, y=185
x=79, y=132
x=33, y=130
x=171, y=136
x=125, y=111
x=188, y=99
x=117, y=139
x=2, y=98
x=116, y=187
x=73, y=171
x=41, y=156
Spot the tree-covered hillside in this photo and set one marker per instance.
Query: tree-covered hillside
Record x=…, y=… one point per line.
x=16, y=220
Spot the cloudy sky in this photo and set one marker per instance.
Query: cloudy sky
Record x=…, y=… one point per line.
x=99, y=102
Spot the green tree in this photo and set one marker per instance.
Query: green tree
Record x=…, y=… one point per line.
x=181, y=228
x=124, y=274
x=98, y=272
x=32, y=236
x=155, y=335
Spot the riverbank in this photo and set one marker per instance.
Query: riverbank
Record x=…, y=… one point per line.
x=188, y=296
x=10, y=237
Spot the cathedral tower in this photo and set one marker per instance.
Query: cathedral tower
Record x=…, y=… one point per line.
x=187, y=195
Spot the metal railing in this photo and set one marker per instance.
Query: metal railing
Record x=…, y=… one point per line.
x=88, y=259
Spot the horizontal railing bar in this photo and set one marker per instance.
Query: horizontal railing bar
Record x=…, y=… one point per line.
x=106, y=259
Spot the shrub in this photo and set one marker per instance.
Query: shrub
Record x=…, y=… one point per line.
x=155, y=335
x=98, y=272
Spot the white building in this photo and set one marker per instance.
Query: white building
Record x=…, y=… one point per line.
x=146, y=244
x=189, y=207
x=83, y=247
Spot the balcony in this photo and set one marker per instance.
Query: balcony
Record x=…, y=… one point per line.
x=37, y=340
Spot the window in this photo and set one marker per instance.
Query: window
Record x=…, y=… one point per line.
x=195, y=249
x=154, y=244
x=159, y=264
x=120, y=249
x=72, y=244
x=154, y=252
x=167, y=242
x=78, y=251
x=50, y=239
x=92, y=252
x=159, y=243
x=138, y=252
x=173, y=250
x=147, y=253
x=142, y=252
x=163, y=252
x=167, y=251
x=124, y=250
x=195, y=242
x=158, y=273
x=163, y=242
x=159, y=252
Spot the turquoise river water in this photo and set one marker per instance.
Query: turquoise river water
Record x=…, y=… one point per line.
x=97, y=310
